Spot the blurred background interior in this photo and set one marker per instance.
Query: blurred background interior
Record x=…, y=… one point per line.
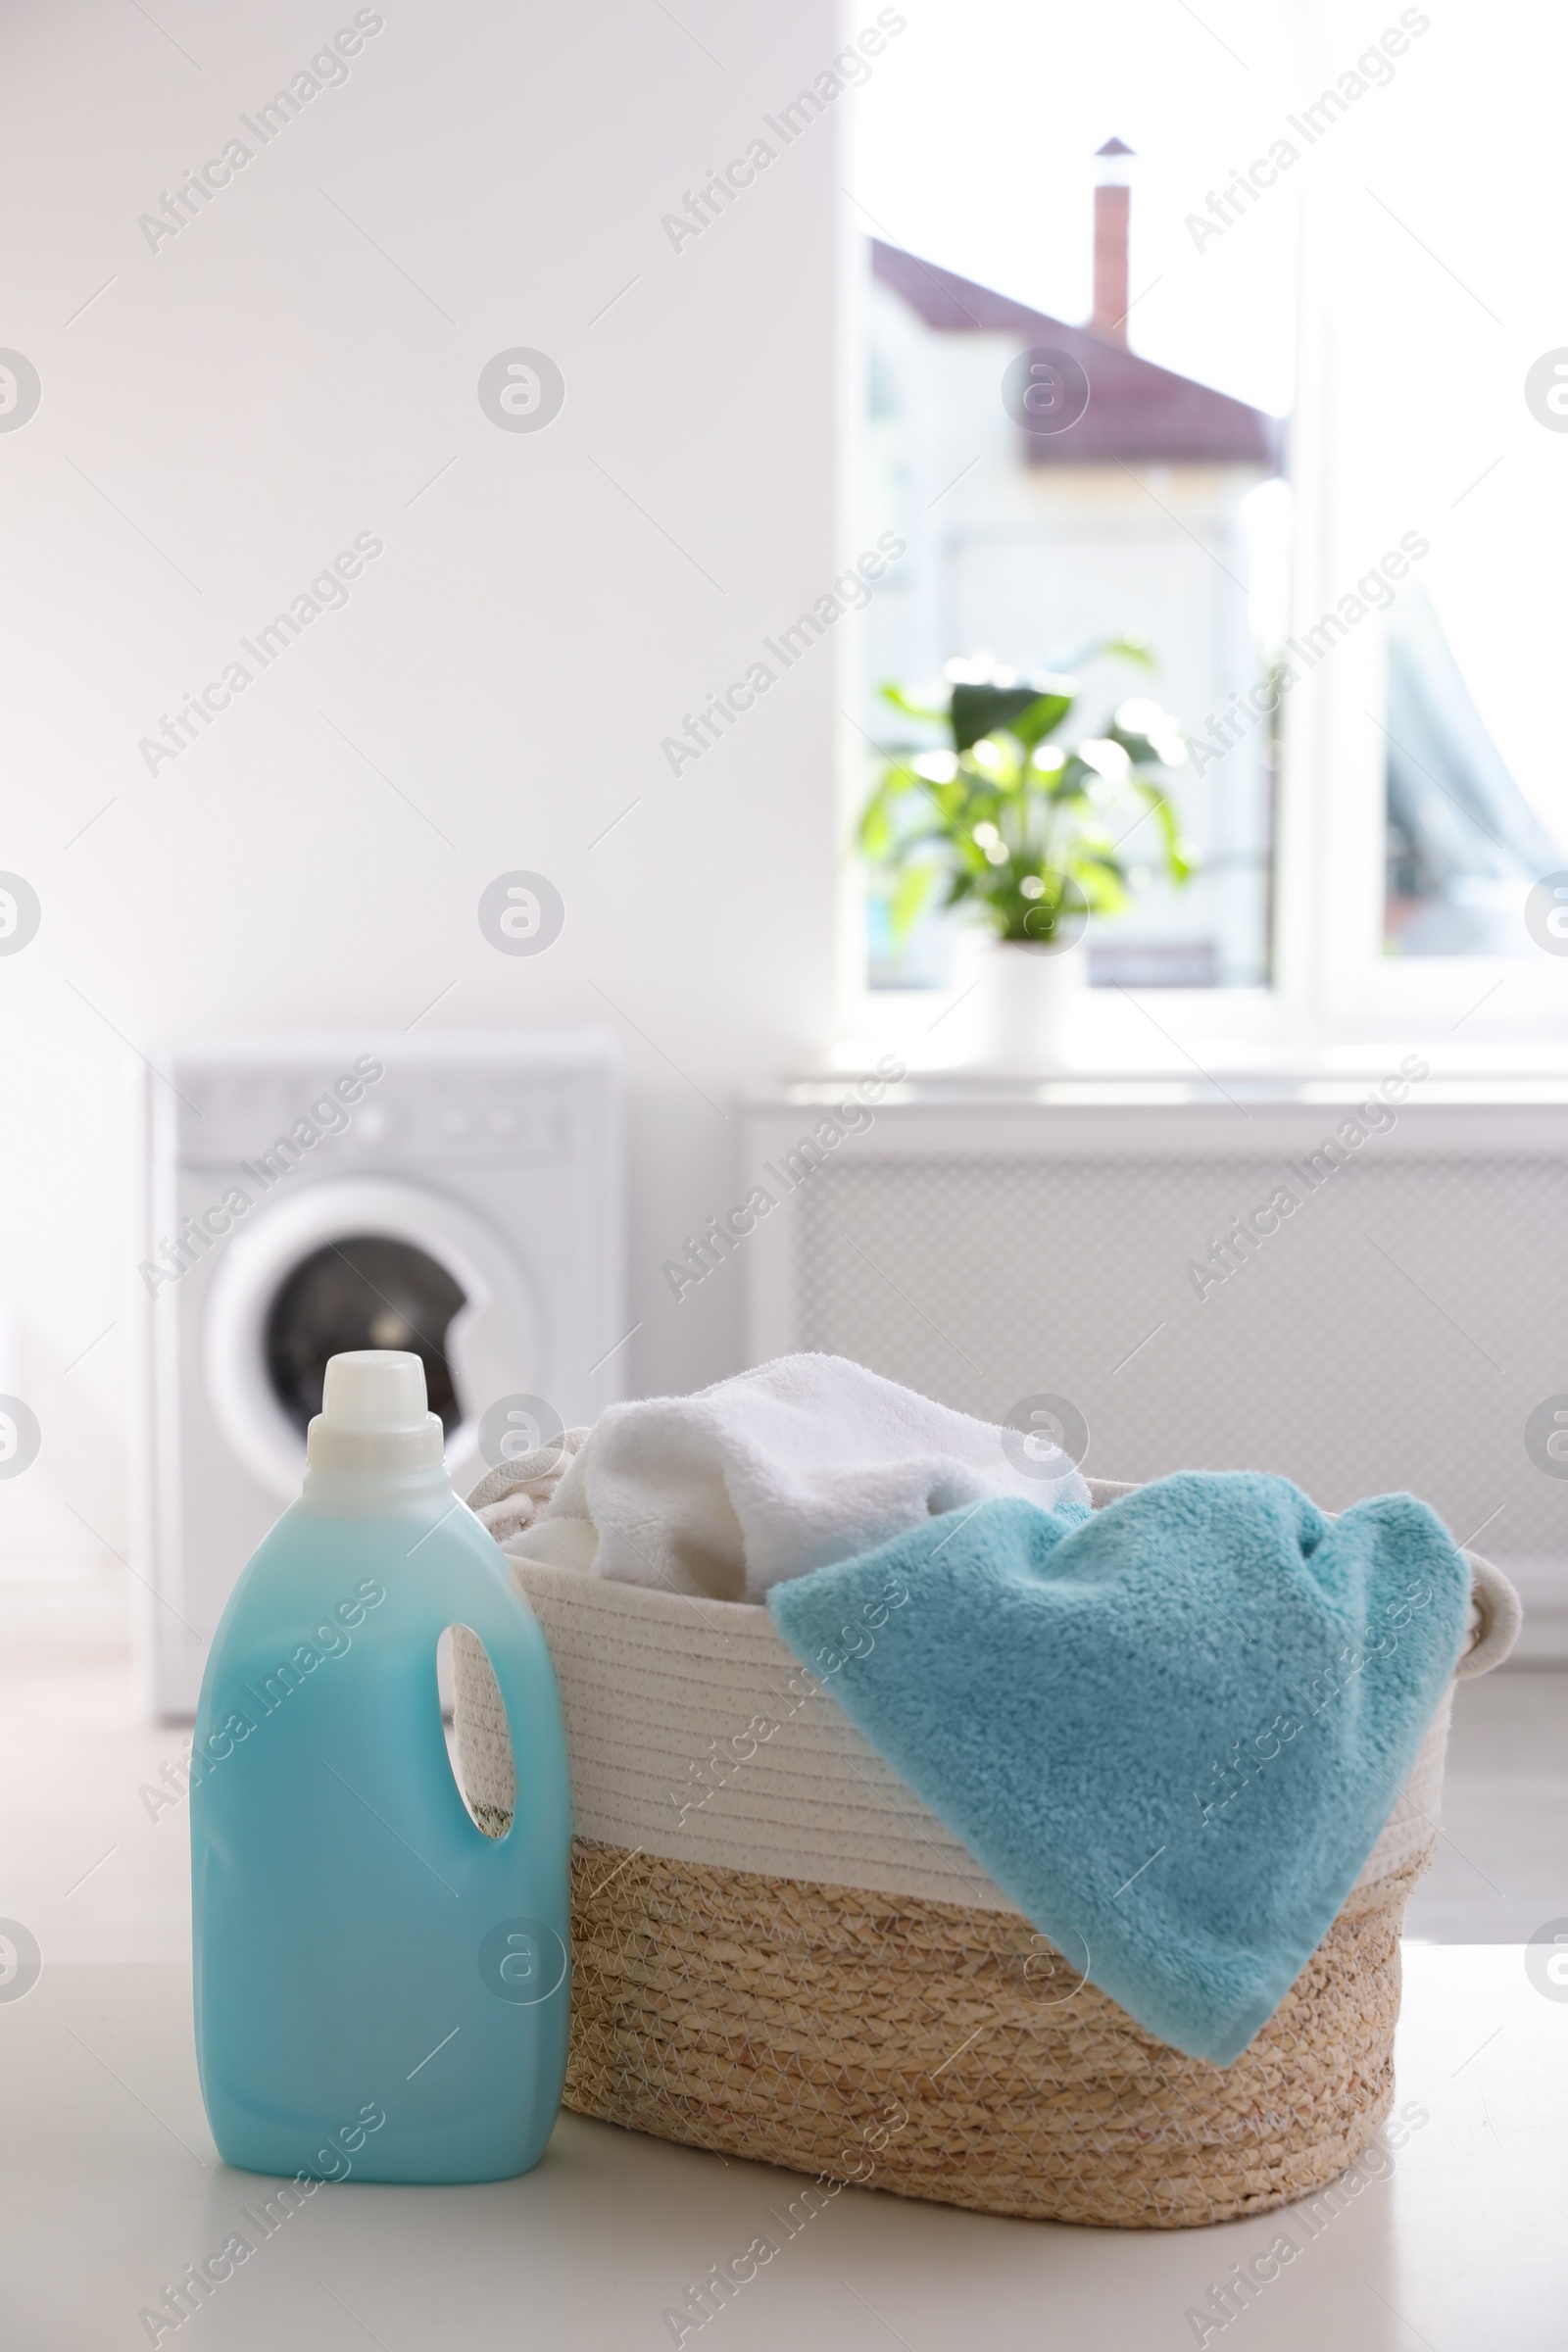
x=596, y=948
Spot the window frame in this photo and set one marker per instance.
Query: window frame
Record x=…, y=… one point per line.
x=1333, y=985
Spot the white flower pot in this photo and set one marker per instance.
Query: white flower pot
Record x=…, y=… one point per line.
x=1018, y=1003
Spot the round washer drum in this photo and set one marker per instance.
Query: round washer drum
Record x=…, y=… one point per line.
x=367, y=1290
x=361, y=1262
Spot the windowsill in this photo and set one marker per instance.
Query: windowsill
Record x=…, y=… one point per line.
x=1204, y=1035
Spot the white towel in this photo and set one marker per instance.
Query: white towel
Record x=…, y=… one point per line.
x=769, y=1475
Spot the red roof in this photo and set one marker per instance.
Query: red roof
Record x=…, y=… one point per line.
x=1136, y=409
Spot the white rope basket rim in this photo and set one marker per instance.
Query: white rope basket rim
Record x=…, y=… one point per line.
x=694, y=1734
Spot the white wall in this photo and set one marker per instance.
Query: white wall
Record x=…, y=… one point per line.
x=226, y=415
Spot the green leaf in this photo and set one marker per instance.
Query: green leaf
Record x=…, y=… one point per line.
x=979, y=710
x=876, y=830
x=876, y=836
x=912, y=890
x=1148, y=735
x=1032, y=725
x=1062, y=824
x=1129, y=648
x=912, y=709
x=1075, y=782
x=1179, y=864
x=1102, y=885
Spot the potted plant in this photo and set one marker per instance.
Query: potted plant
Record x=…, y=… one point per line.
x=1026, y=829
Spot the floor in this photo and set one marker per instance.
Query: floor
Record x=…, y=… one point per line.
x=94, y=1859
x=1501, y=1866
x=1447, y=2232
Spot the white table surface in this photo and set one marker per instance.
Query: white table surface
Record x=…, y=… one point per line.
x=110, y=2186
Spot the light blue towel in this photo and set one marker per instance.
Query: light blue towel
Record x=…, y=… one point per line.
x=1170, y=1732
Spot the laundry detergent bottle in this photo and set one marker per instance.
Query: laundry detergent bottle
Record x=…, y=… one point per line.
x=381, y=1988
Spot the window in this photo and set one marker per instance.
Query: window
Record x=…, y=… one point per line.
x=1156, y=509
x=1435, y=418
x=1321, y=469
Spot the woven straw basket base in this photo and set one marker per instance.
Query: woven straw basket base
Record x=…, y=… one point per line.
x=945, y=2052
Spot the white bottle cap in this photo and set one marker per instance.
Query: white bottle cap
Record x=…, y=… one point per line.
x=374, y=1414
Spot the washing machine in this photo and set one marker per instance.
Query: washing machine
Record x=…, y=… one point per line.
x=461, y=1197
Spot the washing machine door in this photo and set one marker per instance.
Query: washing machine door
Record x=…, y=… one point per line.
x=363, y=1262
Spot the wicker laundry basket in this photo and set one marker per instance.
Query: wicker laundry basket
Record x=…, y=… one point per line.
x=781, y=1953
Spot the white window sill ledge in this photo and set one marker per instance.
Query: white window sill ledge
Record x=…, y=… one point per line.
x=1202, y=1037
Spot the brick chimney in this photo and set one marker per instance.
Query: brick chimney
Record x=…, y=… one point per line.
x=1112, y=211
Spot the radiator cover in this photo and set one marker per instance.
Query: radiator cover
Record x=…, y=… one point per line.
x=1396, y=1330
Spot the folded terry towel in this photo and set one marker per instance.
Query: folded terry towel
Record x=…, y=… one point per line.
x=1171, y=1733
x=804, y=1461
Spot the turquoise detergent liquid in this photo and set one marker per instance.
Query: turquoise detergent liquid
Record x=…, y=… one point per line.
x=381, y=1990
